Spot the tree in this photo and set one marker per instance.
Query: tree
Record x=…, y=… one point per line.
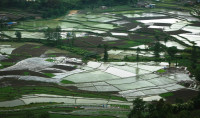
x=73, y=38
x=157, y=50
x=29, y=114
x=171, y=52
x=18, y=35
x=138, y=109
x=105, y=58
x=194, y=56
x=45, y=115
x=197, y=73
x=166, y=39
x=48, y=33
x=157, y=38
x=137, y=57
x=57, y=35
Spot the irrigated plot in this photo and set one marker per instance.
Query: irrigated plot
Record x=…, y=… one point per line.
x=154, y=91
x=149, y=76
x=161, y=81
x=92, y=64
x=134, y=94
x=175, y=87
x=150, y=68
x=173, y=43
x=169, y=20
x=119, y=72
x=104, y=26
x=135, y=70
x=136, y=85
x=88, y=88
x=106, y=88
x=123, y=80
x=90, y=77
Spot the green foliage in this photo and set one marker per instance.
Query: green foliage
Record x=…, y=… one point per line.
x=164, y=95
x=51, y=55
x=105, y=57
x=157, y=50
x=5, y=64
x=26, y=73
x=44, y=115
x=49, y=75
x=18, y=35
x=11, y=93
x=50, y=60
x=138, y=109
x=36, y=47
x=197, y=73
x=161, y=71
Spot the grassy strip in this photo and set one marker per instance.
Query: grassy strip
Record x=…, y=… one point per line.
x=165, y=95
x=49, y=75
x=5, y=64
x=36, y=113
x=50, y=60
x=73, y=116
x=67, y=82
x=11, y=93
x=161, y=71
x=32, y=105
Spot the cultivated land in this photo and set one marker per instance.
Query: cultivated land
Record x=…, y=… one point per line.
x=35, y=76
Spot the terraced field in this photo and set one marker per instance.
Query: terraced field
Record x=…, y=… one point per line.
x=70, y=81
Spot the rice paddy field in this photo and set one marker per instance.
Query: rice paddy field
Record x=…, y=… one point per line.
x=32, y=73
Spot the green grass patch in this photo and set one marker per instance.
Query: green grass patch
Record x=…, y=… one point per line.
x=11, y=93
x=5, y=64
x=36, y=47
x=51, y=55
x=78, y=116
x=135, y=21
x=50, y=60
x=67, y=82
x=26, y=73
x=165, y=95
x=161, y=71
x=49, y=75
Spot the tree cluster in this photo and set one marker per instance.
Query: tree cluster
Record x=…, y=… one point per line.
x=161, y=109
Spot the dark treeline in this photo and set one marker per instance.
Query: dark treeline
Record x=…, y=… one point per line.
x=50, y=8
x=161, y=109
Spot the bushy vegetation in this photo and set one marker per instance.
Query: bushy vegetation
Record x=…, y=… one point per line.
x=161, y=109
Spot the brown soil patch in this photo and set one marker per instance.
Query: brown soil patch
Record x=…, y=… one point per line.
x=74, y=63
x=151, y=18
x=177, y=32
x=73, y=88
x=67, y=68
x=15, y=82
x=22, y=72
x=30, y=49
x=26, y=51
x=51, y=71
x=184, y=94
x=89, y=41
x=162, y=24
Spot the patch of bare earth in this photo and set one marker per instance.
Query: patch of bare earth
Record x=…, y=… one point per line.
x=183, y=94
